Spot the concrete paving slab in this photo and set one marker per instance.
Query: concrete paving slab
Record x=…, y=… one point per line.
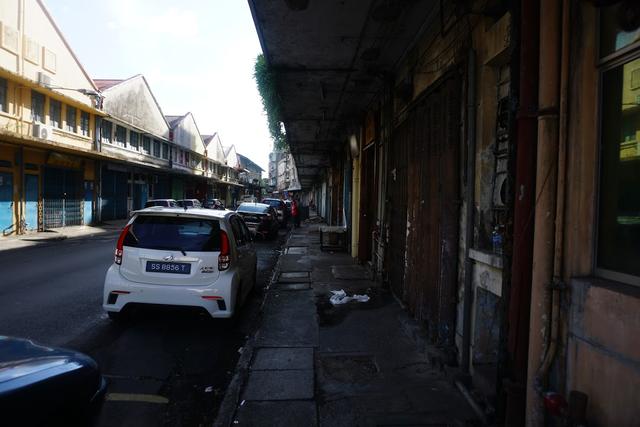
x=303, y=240
x=294, y=277
x=293, y=286
x=295, y=263
x=289, y=320
x=283, y=358
x=296, y=250
x=279, y=385
x=282, y=414
x=349, y=272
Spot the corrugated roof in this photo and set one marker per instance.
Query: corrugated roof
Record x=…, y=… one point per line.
x=208, y=138
x=103, y=84
x=247, y=162
x=174, y=120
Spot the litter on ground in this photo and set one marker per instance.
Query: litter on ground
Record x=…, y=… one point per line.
x=341, y=297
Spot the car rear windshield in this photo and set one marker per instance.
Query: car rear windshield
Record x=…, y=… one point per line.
x=174, y=233
x=252, y=208
x=273, y=202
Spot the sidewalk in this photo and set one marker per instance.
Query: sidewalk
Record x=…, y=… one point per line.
x=77, y=231
x=315, y=364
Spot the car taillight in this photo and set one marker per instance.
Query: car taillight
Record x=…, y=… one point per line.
x=223, y=258
x=120, y=245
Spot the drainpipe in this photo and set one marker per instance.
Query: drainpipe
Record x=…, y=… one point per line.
x=557, y=282
x=549, y=210
x=20, y=229
x=521, y=265
x=470, y=196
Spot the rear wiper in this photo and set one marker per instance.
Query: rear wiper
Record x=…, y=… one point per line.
x=134, y=235
x=174, y=248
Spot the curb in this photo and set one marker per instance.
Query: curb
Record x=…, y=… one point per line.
x=44, y=239
x=227, y=409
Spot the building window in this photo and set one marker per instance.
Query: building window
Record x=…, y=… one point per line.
x=84, y=123
x=186, y=158
x=165, y=151
x=156, y=148
x=71, y=119
x=121, y=136
x=37, y=107
x=146, y=145
x=55, y=113
x=106, y=131
x=613, y=38
x=4, y=106
x=619, y=219
x=134, y=137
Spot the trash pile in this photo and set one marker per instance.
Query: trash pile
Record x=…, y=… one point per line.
x=341, y=297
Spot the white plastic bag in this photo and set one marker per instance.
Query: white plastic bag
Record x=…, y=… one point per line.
x=341, y=297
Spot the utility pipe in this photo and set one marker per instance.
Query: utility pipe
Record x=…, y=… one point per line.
x=522, y=258
x=546, y=197
x=557, y=282
x=470, y=196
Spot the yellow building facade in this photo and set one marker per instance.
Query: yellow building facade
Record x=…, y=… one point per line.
x=48, y=115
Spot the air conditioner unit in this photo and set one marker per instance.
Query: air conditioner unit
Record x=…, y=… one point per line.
x=42, y=131
x=44, y=79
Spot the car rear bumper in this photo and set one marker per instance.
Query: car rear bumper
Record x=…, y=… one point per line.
x=262, y=228
x=218, y=299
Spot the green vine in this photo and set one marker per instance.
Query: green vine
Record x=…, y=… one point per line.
x=266, y=81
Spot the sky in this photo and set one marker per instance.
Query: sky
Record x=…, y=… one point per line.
x=197, y=56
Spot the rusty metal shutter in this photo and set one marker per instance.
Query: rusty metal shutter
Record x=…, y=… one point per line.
x=425, y=206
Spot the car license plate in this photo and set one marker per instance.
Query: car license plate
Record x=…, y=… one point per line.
x=169, y=267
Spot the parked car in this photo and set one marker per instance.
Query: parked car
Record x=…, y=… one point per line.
x=42, y=385
x=248, y=199
x=261, y=219
x=281, y=209
x=167, y=203
x=189, y=203
x=213, y=204
x=198, y=258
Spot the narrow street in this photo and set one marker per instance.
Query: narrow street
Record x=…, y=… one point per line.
x=165, y=367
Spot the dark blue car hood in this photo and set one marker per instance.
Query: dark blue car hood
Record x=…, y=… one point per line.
x=20, y=358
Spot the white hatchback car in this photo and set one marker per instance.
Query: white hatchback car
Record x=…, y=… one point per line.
x=187, y=257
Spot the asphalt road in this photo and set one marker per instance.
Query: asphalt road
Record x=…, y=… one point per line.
x=165, y=367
